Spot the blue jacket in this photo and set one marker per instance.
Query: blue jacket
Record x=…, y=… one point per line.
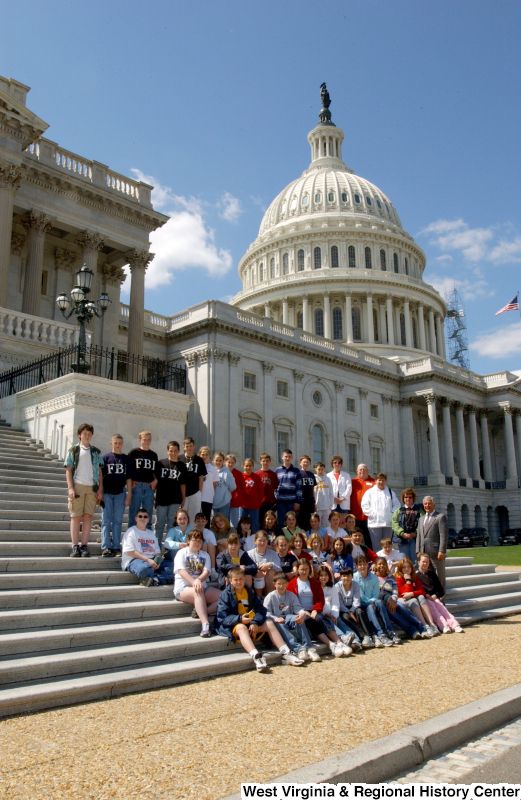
x=369, y=587
x=227, y=615
x=223, y=565
x=290, y=485
x=341, y=562
x=175, y=536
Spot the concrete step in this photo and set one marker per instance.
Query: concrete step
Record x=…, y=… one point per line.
x=40, y=564
x=479, y=580
x=58, y=537
x=45, y=468
x=82, y=615
x=471, y=569
x=38, y=548
x=39, y=504
x=79, y=595
x=37, y=516
x=484, y=603
x=18, y=489
x=483, y=590
x=478, y=615
x=27, y=483
x=459, y=561
x=19, y=448
x=69, y=579
x=57, y=525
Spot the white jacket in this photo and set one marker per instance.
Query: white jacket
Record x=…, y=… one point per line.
x=379, y=506
x=331, y=601
x=341, y=488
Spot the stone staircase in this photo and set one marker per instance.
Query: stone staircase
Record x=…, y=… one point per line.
x=73, y=630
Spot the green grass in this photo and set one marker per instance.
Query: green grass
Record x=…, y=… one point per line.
x=506, y=556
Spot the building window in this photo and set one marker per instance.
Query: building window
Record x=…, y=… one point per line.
x=414, y=333
x=285, y=264
x=331, y=197
x=300, y=261
x=357, y=331
x=375, y=326
x=337, y=324
x=375, y=459
x=282, y=444
x=351, y=458
x=261, y=271
x=299, y=319
x=45, y=275
x=374, y=410
x=406, y=266
x=272, y=268
x=357, y=198
x=318, y=444
x=379, y=204
x=319, y=322
x=249, y=442
x=317, y=398
x=395, y=261
x=282, y=389
x=318, y=198
x=368, y=259
x=350, y=405
x=352, y=257
x=317, y=257
x=293, y=204
x=344, y=197
x=369, y=201
x=250, y=381
x=305, y=200
x=383, y=261
x=334, y=256
x=402, y=330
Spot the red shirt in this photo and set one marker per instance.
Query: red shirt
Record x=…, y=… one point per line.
x=359, y=488
x=269, y=484
x=303, y=554
x=404, y=587
x=237, y=495
x=252, y=491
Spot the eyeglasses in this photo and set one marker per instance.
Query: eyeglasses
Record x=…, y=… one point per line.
x=142, y=516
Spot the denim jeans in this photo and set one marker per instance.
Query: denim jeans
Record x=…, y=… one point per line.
x=406, y=620
x=253, y=514
x=341, y=629
x=112, y=517
x=165, y=514
x=300, y=631
x=141, y=569
x=223, y=510
x=235, y=514
x=407, y=548
x=293, y=643
x=377, y=608
x=282, y=510
x=142, y=497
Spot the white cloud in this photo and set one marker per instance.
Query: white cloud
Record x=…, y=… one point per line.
x=444, y=257
x=469, y=289
x=231, y=207
x=184, y=241
x=502, y=342
x=507, y=251
x=456, y=235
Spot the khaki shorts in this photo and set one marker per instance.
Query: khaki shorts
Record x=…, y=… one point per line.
x=85, y=503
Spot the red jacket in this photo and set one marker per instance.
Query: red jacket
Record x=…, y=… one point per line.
x=237, y=495
x=358, y=489
x=369, y=554
x=269, y=484
x=252, y=491
x=404, y=587
x=316, y=590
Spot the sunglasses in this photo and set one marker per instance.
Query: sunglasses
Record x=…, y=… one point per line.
x=142, y=516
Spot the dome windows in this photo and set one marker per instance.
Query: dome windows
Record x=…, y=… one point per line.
x=319, y=322
x=305, y=200
x=283, y=208
x=369, y=201
x=285, y=264
x=368, y=258
x=403, y=336
x=318, y=197
x=352, y=257
x=317, y=258
x=261, y=271
x=334, y=257
x=357, y=330
x=344, y=197
x=395, y=262
x=272, y=268
x=317, y=399
x=387, y=208
x=293, y=204
x=331, y=197
x=337, y=324
x=299, y=320
x=300, y=261
x=357, y=198
x=383, y=260
x=379, y=204
x=406, y=262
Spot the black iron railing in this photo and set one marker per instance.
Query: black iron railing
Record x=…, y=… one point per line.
x=97, y=361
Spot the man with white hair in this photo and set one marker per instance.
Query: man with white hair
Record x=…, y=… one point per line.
x=432, y=536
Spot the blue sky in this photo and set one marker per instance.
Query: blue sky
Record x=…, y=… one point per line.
x=214, y=100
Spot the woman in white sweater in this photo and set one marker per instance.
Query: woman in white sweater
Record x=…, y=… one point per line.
x=341, y=483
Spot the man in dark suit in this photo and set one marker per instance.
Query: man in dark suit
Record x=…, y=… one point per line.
x=432, y=536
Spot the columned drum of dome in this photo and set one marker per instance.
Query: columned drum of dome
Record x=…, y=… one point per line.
x=332, y=242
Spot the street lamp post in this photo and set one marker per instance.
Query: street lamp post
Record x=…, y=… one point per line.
x=83, y=308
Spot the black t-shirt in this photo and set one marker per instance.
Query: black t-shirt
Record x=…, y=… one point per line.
x=308, y=484
x=171, y=475
x=196, y=467
x=144, y=464
x=287, y=562
x=117, y=469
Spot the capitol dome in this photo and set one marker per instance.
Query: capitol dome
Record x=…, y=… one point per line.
x=333, y=258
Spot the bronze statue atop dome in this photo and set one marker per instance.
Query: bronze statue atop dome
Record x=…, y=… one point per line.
x=325, y=113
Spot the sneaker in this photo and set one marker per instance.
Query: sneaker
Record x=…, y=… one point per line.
x=292, y=660
x=347, y=638
x=446, y=629
x=378, y=641
x=336, y=649
x=348, y=651
x=85, y=551
x=98, y=540
x=75, y=551
x=194, y=613
x=304, y=654
x=313, y=655
x=146, y=582
x=106, y=553
x=417, y=635
x=458, y=629
x=434, y=630
x=356, y=646
x=260, y=663
x=386, y=640
x=395, y=639
x=426, y=634
x=367, y=642
x=205, y=632
x=116, y=553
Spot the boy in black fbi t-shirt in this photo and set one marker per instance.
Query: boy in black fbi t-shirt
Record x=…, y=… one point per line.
x=195, y=477
x=172, y=476
x=144, y=460
x=118, y=475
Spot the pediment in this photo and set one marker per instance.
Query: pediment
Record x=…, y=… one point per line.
x=16, y=116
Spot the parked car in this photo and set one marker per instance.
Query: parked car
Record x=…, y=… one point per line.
x=510, y=536
x=472, y=537
x=452, y=539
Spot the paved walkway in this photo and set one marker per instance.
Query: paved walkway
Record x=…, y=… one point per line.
x=458, y=765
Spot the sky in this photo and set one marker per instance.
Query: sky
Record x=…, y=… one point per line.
x=211, y=102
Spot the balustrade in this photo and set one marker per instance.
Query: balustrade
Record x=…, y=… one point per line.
x=37, y=329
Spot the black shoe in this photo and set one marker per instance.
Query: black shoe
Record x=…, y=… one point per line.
x=107, y=553
x=146, y=582
x=116, y=553
x=85, y=551
x=75, y=551
x=169, y=583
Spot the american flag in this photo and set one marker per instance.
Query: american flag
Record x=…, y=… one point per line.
x=512, y=306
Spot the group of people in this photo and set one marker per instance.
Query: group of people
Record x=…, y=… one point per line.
x=290, y=555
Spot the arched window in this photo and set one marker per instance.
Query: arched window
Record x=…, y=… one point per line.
x=272, y=268
x=402, y=330
x=319, y=322
x=317, y=256
x=261, y=271
x=318, y=444
x=299, y=319
x=383, y=262
x=395, y=261
x=337, y=324
x=406, y=267
x=300, y=261
x=352, y=257
x=334, y=256
x=285, y=264
x=414, y=333
x=368, y=259
x=357, y=331
x=375, y=325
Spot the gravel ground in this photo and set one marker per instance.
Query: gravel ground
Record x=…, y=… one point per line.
x=199, y=741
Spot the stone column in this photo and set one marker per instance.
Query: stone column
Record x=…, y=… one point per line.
x=408, y=328
x=510, y=449
x=421, y=327
x=518, y=435
x=91, y=243
x=327, y=317
x=474, y=447
x=432, y=331
x=138, y=261
x=390, y=320
x=340, y=413
x=285, y=311
x=435, y=474
x=298, y=377
x=305, y=314
x=233, y=404
x=383, y=326
x=10, y=178
x=267, y=368
x=267, y=310
x=441, y=339
x=447, y=437
x=408, y=440
x=113, y=277
x=36, y=225
x=370, y=322
x=485, y=446
x=349, y=319
x=462, y=447
x=363, y=425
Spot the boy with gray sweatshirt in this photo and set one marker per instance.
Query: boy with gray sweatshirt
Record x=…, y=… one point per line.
x=286, y=611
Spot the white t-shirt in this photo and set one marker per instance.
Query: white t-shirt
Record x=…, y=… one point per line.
x=394, y=555
x=357, y=551
x=143, y=542
x=193, y=563
x=211, y=477
x=305, y=594
x=84, y=469
x=269, y=557
x=248, y=543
